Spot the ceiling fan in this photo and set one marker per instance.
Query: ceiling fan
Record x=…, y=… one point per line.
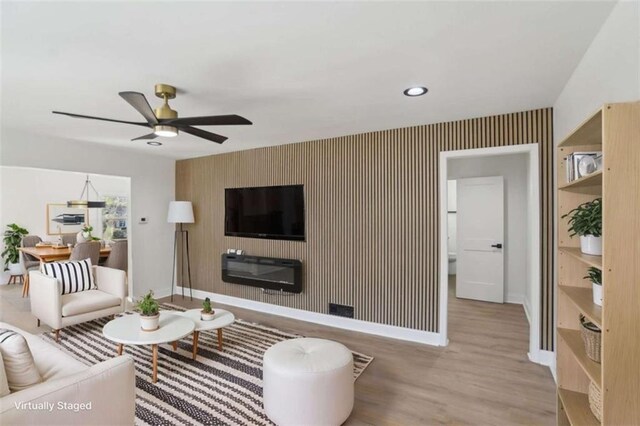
x=164, y=121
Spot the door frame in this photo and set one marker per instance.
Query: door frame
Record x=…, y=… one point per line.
x=533, y=258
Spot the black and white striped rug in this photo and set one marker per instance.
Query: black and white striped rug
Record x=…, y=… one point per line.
x=219, y=388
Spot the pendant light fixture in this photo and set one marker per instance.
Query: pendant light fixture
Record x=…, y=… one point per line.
x=85, y=203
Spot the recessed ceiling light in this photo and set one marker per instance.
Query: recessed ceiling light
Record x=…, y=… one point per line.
x=416, y=91
x=154, y=143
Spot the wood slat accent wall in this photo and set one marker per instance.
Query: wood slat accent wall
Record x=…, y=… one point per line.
x=371, y=215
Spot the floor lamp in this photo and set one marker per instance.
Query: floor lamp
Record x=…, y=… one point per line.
x=181, y=212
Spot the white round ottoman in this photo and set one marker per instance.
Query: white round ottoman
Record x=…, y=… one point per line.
x=308, y=382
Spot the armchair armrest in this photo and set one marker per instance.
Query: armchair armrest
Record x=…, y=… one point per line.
x=112, y=281
x=114, y=378
x=45, y=299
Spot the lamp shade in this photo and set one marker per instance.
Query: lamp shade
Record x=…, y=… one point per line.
x=180, y=212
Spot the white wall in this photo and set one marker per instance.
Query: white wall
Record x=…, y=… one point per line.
x=608, y=72
x=29, y=190
x=152, y=187
x=514, y=169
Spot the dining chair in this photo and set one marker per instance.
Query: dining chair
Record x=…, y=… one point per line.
x=29, y=262
x=69, y=239
x=86, y=250
x=119, y=257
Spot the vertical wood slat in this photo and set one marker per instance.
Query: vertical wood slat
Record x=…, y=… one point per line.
x=372, y=219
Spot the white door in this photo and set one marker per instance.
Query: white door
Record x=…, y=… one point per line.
x=480, y=228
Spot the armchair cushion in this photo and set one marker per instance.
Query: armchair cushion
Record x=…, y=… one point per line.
x=87, y=301
x=74, y=276
x=17, y=360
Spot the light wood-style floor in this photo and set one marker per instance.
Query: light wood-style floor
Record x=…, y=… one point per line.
x=482, y=378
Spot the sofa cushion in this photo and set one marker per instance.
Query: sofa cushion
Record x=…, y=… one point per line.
x=4, y=384
x=73, y=276
x=51, y=362
x=17, y=360
x=87, y=301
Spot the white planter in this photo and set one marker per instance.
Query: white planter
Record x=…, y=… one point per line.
x=16, y=269
x=149, y=323
x=591, y=245
x=597, y=294
x=207, y=317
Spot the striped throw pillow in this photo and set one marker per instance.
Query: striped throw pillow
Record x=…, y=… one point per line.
x=74, y=276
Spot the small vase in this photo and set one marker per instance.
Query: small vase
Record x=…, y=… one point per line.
x=591, y=245
x=207, y=316
x=149, y=323
x=80, y=237
x=597, y=293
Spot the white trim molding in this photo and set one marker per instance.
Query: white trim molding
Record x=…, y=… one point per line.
x=391, y=331
x=547, y=358
x=531, y=150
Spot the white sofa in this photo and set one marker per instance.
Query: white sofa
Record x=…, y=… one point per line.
x=58, y=311
x=109, y=386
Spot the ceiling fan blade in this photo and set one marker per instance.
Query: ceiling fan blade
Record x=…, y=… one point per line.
x=100, y=118
x=212, y=120
x=149, y=136
x=203, y=134
x=140, y=103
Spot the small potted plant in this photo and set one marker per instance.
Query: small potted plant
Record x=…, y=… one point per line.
x=12, y=239
x=207, y=313
x=586, y=221
x=595, y=276
x=85, y=234
x=149, y=312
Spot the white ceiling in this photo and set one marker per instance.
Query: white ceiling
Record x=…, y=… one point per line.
x=299, y=71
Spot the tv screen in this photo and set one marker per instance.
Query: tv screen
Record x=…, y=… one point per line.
x=275, y=212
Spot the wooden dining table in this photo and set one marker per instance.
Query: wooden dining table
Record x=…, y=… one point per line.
x=51, y=254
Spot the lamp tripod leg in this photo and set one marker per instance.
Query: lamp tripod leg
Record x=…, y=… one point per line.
x=175, y=258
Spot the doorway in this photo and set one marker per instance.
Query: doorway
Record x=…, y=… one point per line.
x=480, y=256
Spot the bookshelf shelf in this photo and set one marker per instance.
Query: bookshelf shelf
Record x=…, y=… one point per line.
x=593, y=181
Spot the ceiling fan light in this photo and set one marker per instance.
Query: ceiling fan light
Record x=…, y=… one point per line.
x=165, y=131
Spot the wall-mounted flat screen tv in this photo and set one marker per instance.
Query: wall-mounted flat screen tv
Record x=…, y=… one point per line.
x=275, y=212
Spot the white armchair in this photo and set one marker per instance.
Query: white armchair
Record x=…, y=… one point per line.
x=58, y=311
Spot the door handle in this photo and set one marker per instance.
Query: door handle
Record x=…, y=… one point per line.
x=497, y=245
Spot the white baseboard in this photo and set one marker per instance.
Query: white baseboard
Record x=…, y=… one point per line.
x=394, y=332
x=547, y=358
x=515, y=298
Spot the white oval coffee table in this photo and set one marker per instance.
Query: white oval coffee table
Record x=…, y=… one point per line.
x=126, y=331
x=221, y=318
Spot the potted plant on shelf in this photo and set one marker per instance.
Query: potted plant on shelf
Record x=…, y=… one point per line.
x=149, y=312
x=207, y=312
x=595, y=275
x=586, y=221
x=12, y=239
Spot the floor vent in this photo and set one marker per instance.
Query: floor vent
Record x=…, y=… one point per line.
x=340, y=310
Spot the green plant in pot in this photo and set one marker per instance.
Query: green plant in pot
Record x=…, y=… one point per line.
x=86, y=233
x=586, y=221
x=149, y=312
x=207, y=313
x=11, y=255
x=595, y=276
